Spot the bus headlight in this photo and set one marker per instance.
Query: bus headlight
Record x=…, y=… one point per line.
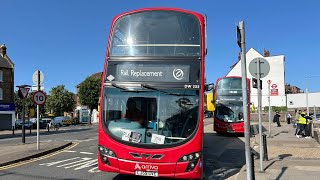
x=105, y=153
x=192, y=158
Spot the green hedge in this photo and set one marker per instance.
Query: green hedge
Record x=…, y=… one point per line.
x=276, y=108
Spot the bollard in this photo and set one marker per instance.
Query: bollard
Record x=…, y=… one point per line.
x=48, y=127
x=265, y=149
x=252, y=166
x=30, y=129
x=13, y=130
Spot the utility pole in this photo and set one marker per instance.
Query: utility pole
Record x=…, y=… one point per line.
x=307, y=98
x=241, y=43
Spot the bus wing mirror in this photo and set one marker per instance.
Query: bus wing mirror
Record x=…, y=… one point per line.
x=209, y=87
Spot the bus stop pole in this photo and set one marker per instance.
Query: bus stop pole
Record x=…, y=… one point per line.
x=241, y=43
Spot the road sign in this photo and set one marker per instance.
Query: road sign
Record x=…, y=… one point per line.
x=35, y=77
x=238, y=36
x=39, y=98
x=269, y=81
x=23, y=92
x=274, y=86
x=264, y=67
x=274, y=92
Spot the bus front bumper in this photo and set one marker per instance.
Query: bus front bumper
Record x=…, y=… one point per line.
x=170, y=170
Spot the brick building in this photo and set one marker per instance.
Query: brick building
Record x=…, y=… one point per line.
x=7, y=106
x=292, y=89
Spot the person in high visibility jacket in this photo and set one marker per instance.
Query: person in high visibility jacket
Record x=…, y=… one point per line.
x=303, y=121
x=296, y=123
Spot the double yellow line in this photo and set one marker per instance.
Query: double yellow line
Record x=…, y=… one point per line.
x=37, y=159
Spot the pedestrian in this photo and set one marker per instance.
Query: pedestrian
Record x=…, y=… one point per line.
x=276, y=119
x=297, y=121
x=308, y=127
x=289, y=118
x=302, y=125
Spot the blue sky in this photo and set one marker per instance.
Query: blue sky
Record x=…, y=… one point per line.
x=67, y=40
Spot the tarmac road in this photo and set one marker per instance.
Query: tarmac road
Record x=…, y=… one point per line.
x=223, y=157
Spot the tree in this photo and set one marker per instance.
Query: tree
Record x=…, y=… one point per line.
x=89, y=92
x=60, y=101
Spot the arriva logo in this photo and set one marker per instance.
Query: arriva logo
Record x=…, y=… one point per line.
x=178, y=74
x=145, y=167
x=137, y=167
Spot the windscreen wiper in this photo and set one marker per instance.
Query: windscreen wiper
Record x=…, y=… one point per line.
x=124, y=89
x=119, y=87
x=165, y=92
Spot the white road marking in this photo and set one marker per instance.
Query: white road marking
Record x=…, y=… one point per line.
x=93, y=162
x=57, y=162
x=79, y=163
x=94, y=170
x=82, y=159
x=69, y=151
x=86, y=153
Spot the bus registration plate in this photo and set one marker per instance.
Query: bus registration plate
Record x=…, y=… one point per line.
x=147, y=173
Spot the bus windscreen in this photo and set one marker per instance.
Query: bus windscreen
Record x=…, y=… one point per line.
x=156, y=33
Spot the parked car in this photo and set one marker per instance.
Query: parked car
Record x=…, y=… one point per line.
x=44, y=122
x=316, y=117
x=19, y=122
x=57, y=120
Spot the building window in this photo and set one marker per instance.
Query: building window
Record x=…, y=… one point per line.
x=1, y=76
x=1, y=94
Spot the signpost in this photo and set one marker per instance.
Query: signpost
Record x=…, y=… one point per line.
x=38, y=98
x=269, y=82
x=241, y=43
x=23, y=93
x=259, y=68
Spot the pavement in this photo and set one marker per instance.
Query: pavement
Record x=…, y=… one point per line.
x=289, y=157
x=15, y=151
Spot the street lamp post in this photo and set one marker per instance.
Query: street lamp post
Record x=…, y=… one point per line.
x=307, y=94
x=307, y=90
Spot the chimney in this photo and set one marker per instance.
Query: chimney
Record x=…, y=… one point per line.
x=266, y=53
x=3, y=50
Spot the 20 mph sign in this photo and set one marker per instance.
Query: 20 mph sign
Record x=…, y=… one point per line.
x=39, y=98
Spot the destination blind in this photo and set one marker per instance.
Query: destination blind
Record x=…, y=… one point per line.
x=152, y=73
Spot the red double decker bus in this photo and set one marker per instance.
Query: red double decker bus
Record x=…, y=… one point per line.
x=151, y=104
x=228, y=115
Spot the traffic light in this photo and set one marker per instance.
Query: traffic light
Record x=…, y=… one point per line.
x=255, y=83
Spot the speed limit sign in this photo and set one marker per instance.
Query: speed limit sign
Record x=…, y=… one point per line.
x=39, y=98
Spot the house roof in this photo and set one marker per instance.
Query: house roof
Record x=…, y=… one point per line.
x=5, y=61
x=256, y=53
